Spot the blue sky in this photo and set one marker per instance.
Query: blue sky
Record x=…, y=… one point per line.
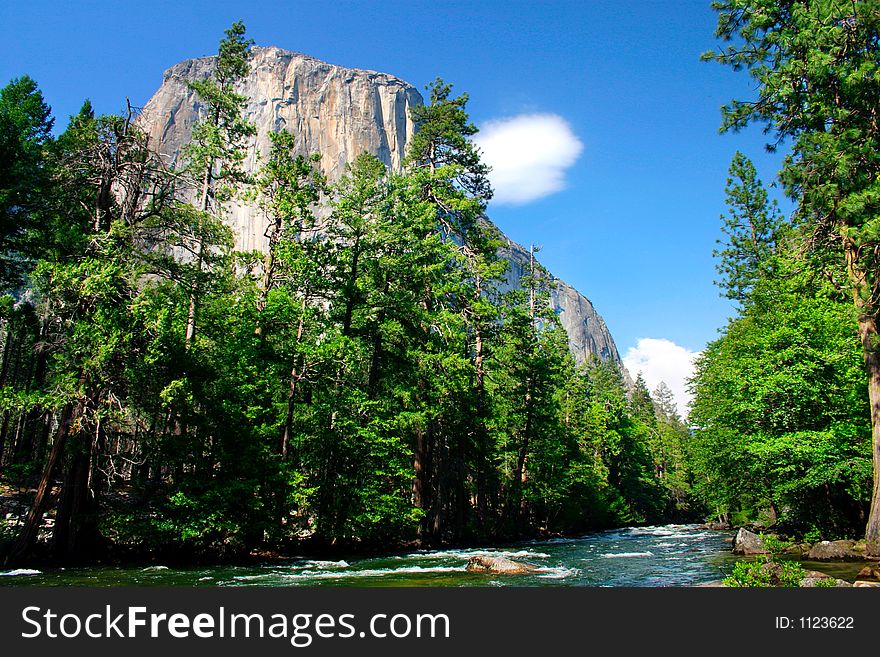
x=617, y=86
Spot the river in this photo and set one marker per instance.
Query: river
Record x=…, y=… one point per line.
x=671, y=555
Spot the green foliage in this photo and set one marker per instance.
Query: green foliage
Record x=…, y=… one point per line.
x=361, y=383
x=813, y=535
x=774, y=544
x=217, y=150
x=780, y=410
x=25, y=133
x=750, y=229
x=766, y=570
x=748, y=574
x=755, y=574
x=816, y=72
x=441, y=142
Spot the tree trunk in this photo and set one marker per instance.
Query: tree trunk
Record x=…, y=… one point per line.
x=376, y=355
x=4, y=429
x=868, y=334
x=24, y=544
x=273, y=232
x=73, y=526
x=861, y=290
x=296, y=373
x=422, y=494
x=195, y=292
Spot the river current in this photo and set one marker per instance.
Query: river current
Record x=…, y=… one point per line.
x=671, y=555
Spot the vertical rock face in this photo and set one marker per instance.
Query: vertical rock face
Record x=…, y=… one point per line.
x=587, y=333
x=339, y=113
x=335, y=111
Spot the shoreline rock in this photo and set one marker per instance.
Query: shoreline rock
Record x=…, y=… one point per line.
x=748, y=543
x=834, y=551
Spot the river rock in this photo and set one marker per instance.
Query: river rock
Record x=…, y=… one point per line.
x=498, y=565
x=869, y=573
x=812, y=582
x=812, y=577
x=748, y=543
x=833, y=551
x=859, y=584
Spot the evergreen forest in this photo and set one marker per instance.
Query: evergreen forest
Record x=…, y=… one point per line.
x=360, y=385
x=367, y=382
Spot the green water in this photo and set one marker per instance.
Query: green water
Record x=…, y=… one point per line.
x=672, y=555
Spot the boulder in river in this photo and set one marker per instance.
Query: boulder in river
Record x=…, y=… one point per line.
x=833, y=551
x=748, y=543
x=498, y=565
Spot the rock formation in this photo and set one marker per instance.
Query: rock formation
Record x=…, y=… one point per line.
x=497, y=565
x=748, y=543
x=833, y=551
x=339, y=113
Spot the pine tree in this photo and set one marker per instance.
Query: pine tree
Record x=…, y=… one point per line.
x=452, y=178
x=751, y=227
x=815, y=66
x=25, y=131
x=217, y=151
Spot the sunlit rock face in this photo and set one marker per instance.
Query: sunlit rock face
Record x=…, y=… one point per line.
x=339, y=113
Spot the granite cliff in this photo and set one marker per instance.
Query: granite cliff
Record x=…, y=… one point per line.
x=339, y=113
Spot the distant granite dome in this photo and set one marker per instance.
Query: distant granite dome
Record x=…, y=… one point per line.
x=339, y=113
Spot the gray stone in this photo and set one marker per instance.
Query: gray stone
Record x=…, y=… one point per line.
x=833, y=551
x=813, y=582
x=339, y=113
x=497, y=565
x=748, y=543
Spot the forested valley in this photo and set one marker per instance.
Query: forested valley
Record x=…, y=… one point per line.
x=363, y=384
x=360, y=385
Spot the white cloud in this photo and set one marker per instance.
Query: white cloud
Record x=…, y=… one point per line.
x=663, y=360
x=529, y=155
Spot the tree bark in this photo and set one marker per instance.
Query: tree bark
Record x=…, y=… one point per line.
x=73, y=529
x=422, y=494
x=195, y=293
x=24, y=543
x=4, y=429
x=296, y=374
x=376, y=355
x=861, y=290
x=869, y=337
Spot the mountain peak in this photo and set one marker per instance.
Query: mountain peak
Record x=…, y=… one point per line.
x=340, y=113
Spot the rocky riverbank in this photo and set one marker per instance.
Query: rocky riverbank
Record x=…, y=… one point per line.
x=749, y=544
